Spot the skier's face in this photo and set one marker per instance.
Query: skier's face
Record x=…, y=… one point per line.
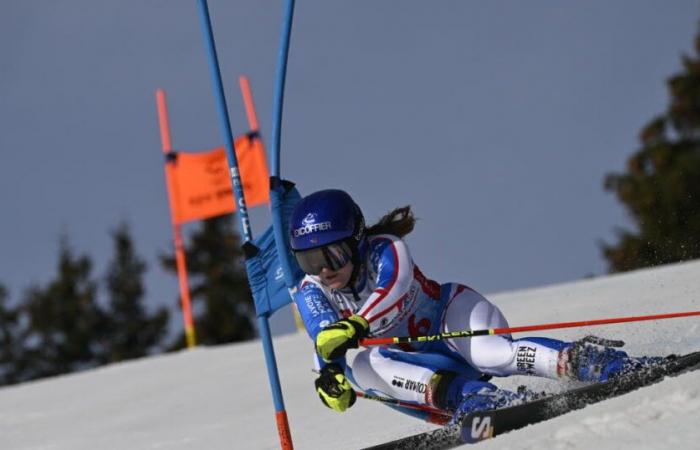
x=336, y=279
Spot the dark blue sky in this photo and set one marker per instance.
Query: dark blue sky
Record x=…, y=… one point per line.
x=496, y=120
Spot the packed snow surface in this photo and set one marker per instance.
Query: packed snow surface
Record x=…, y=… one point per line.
x=219, y=398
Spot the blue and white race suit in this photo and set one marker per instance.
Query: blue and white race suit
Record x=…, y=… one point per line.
x=398, y=300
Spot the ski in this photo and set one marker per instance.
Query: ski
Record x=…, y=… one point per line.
x=478, y=426
x=482, y=425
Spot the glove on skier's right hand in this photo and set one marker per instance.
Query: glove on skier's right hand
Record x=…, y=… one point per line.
x=334, y=389
x=334, y=340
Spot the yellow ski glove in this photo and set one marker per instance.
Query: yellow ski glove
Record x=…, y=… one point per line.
x=334, y=389
x=334, y=340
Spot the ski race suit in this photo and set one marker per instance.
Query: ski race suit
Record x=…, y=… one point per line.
x=398, y=300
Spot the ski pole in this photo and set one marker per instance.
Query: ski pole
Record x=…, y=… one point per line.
x=437, y=416
x=367, y=342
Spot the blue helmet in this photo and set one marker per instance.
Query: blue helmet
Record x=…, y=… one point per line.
x=325, y=217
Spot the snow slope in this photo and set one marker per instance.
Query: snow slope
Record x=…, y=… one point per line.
x=218, y=398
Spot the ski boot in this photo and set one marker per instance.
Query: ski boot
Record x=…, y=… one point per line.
x=462, y=395
x=598, y=360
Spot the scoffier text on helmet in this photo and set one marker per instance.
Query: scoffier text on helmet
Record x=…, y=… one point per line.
x=323, y=226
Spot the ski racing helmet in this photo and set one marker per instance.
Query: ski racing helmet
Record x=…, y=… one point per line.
x=326, y=229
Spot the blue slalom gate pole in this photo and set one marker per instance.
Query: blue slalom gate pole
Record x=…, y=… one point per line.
x=278, y=103
x=281, y=77
x=224, y=122
x=227, y=136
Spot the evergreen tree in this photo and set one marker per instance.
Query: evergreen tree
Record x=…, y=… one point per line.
x=132, y=332
x=661, y=187
x=66, y=328
x=10, y=344
x=222, y=302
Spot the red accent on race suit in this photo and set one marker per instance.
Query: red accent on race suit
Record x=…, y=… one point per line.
x=381, y=294
x=396, y=304
x=420, y=328
x=430, y=287
x=384, y=291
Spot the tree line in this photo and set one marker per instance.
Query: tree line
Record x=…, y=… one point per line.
x=660, y=188
x=79, y=320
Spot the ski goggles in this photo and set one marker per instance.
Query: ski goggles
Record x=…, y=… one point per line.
x=332, y=256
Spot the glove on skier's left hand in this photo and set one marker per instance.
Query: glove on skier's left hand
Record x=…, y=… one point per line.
x=337, y=338
x=334, y=389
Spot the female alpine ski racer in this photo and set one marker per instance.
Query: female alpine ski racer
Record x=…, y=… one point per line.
x=361, y=281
